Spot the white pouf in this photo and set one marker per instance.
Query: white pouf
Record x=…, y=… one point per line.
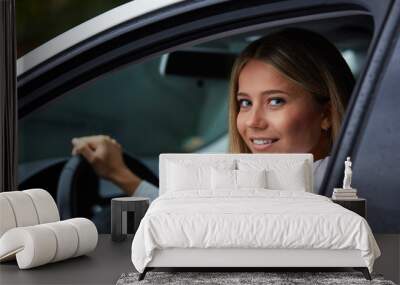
x=40, y=244
x=26, y=208
x=24, y=211
x=31, y=230
x=45, y=205
x=7, y=220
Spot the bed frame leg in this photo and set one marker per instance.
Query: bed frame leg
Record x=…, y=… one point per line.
x=143, y=274
x=364, y=271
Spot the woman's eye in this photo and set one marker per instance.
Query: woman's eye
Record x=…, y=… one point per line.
x=243, y=103
x=277, y=101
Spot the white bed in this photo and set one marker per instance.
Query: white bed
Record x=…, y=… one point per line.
x=198, y=223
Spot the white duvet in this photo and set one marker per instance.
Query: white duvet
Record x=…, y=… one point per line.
x=252, y=218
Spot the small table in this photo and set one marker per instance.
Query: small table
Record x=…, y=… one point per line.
x=358, y=206
x=120, y=207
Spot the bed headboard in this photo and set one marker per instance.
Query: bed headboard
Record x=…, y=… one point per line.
x=307, y=158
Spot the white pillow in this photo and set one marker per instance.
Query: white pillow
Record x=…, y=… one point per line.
x=251, y=178
x=193, y=175
x=281, y=174
x=223, y=179
x=290, y=179
x=236, y=179
x=183, y=178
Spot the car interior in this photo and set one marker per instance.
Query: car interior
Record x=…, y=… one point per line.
x=179, y=106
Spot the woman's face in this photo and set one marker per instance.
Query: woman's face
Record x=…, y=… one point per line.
x=276, y=115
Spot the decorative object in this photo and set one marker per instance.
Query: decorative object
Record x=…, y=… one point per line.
x=119, y=218
x=347, y=174
x=347, y=192
x=46, y=243
x=31, y=231
x=26, y=208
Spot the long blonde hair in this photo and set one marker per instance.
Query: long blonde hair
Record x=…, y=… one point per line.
x=306, y=58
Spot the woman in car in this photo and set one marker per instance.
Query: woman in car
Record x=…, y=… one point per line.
x=288, y=94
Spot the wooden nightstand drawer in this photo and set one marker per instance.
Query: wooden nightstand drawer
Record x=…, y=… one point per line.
x=358, y=206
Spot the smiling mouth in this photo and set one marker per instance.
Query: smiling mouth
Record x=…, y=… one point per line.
x=261, y=144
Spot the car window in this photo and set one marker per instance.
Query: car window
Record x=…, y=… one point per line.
x=147, y=111
x=167, y=103
x=36, y=24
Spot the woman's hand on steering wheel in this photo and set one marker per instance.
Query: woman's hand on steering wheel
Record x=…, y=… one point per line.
x=105, y=156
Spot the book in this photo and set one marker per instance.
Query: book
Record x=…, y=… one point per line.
x=345, y=194
x=353, y=196
x=341, y=190
x=345, y=198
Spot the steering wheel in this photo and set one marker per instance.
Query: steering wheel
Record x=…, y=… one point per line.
x=78, y=191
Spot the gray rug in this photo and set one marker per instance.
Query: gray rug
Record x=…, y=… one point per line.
x=228, y=278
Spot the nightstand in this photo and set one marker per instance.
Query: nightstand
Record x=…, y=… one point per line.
x=358, y=206
x=120, y=208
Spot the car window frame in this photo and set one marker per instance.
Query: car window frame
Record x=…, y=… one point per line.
x=365, y=90
x=38, y=87
x=132, y=42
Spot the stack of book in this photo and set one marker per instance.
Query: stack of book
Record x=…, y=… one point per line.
x=343, y=194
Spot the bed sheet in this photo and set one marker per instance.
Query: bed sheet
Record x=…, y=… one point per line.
x=251, y=218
